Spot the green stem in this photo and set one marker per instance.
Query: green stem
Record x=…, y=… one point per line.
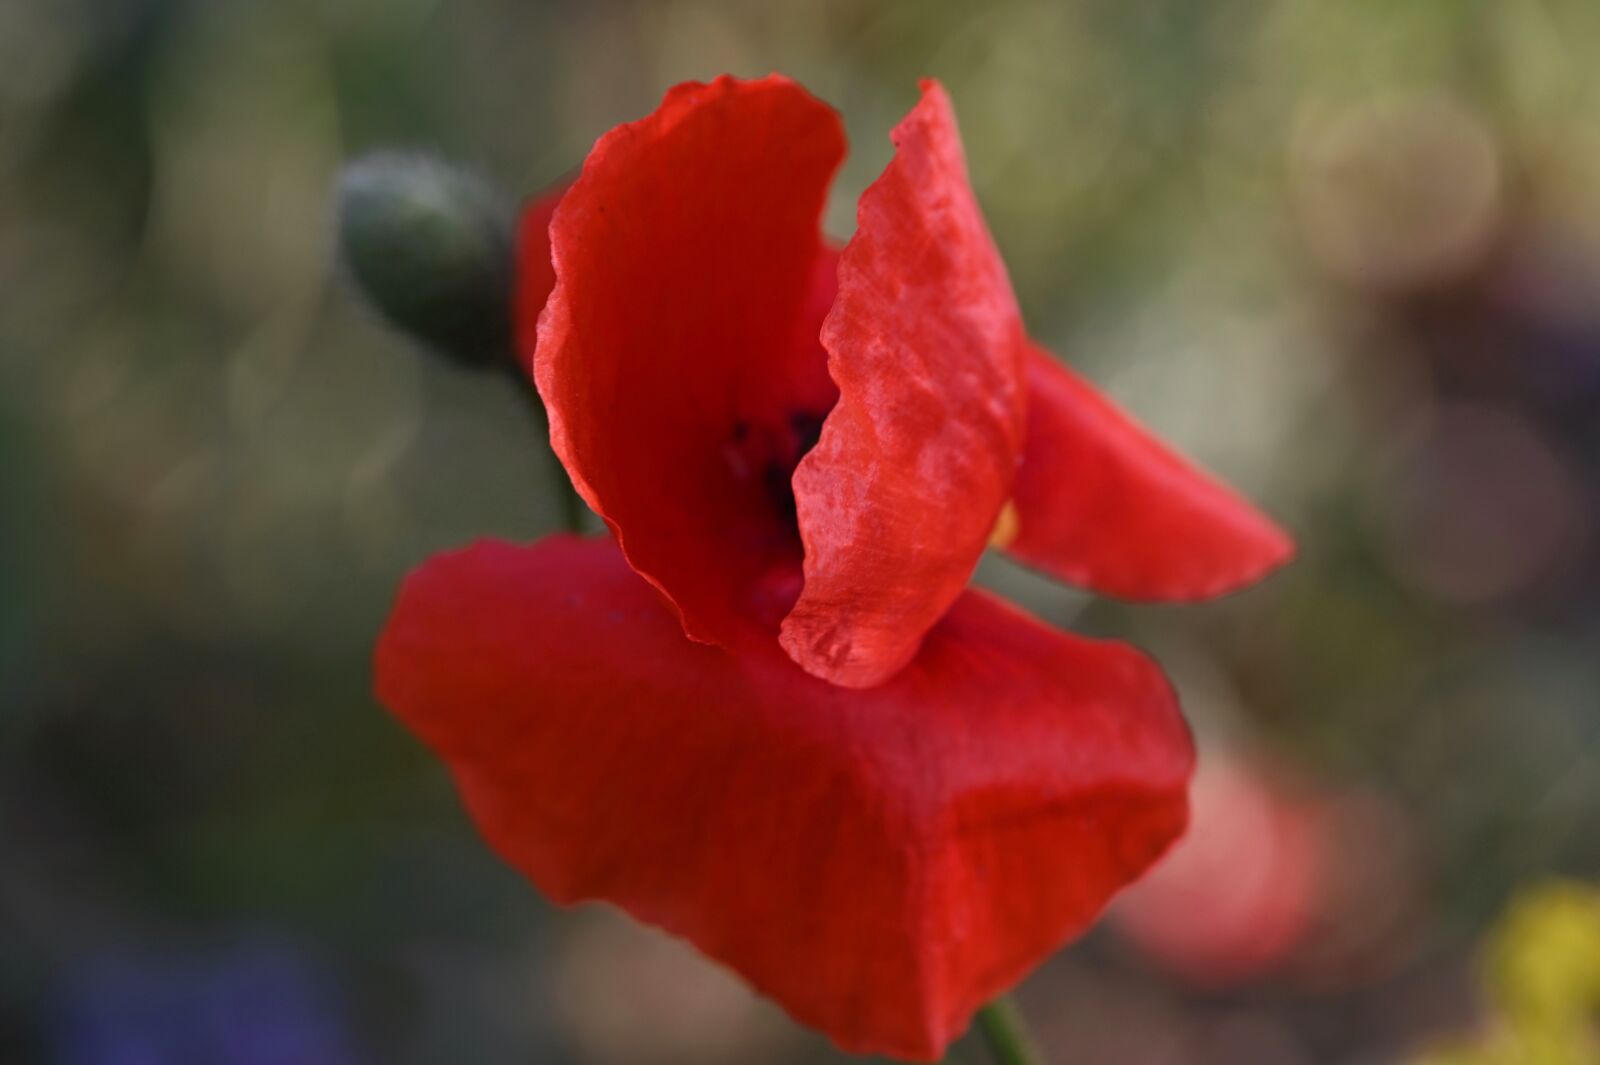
x=572, y=506
x=1003, y=1029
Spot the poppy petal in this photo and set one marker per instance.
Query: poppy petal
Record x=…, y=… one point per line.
x=897, y=500
x=1102, y=503
x=880, y=862
x=679, y=346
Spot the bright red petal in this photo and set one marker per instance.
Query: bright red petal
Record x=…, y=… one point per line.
x=898, y=499
x=881, y=862
x=678, y=354
x=1103, y=504
x=535, y=275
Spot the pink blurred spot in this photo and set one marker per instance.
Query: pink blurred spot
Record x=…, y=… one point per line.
x=1236, y=896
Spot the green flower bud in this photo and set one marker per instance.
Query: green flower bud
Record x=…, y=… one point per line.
x=430, y=245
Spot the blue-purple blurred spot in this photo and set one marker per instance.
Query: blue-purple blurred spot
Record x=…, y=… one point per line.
x=252, y=1004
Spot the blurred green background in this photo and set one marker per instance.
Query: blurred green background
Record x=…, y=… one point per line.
x=1347, y=254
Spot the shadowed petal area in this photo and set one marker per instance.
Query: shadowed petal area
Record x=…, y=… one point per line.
x=879, y=862
x=897, y=500
x=1102, y=503
x=678, y=355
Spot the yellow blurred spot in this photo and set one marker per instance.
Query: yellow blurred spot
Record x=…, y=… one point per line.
x=1543, y=962
x=1006, y=526
x=1542, y=969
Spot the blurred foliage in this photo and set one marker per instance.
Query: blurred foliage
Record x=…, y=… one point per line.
x=1347, y=254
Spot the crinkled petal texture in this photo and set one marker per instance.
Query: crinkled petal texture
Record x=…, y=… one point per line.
x=880, y=862
x=678, y=354
x=925, y=342
x=1102, y=503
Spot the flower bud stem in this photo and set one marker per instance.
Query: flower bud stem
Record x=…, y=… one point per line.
x=1003, y=1029
x=572, y=506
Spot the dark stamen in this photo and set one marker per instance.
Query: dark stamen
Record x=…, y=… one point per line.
x=772, y=453
x=807, y=429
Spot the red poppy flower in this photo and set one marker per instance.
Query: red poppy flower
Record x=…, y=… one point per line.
x=800, y=741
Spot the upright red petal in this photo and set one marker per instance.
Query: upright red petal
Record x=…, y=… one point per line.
x=898, y=499
x=1102, y=503
x=879, y=862
x=678, y=354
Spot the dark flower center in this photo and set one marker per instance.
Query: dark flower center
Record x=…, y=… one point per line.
x=768, y=452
